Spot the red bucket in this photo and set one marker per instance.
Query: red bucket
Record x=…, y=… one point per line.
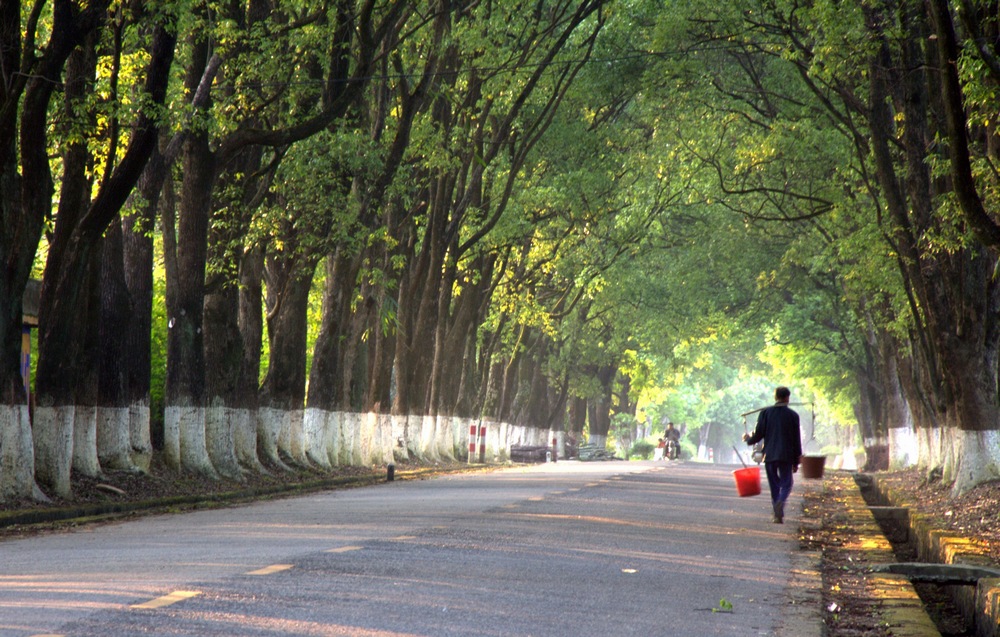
x=747, y=481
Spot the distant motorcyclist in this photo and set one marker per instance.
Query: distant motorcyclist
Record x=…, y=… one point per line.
x=673, y=439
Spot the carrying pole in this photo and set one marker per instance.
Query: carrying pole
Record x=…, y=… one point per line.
x=740, y=457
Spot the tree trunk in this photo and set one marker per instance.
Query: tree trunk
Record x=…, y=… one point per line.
x=85, y=436
x=903, y=452
x=233, y=329
x=20, y=232
x=282, y=397
x=326, y=377
x=113, y=436
x=66, y=290
x=577, y=417
x=33, y=190
x=417, y=305
x=252, y=328
x=600, y=406
x=460, y=340
x=870, y=409
x=137, y=255
x=184, y=415
x=955, y=299
x=969, y=354
x=224, y=350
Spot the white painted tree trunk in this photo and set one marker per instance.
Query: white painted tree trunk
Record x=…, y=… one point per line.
x=428, y=452
x=294, y=439
x=333, y=435
x=458, y=444
x=17, y=458
x=414, y=445
x=443, y=438
x=518, y=435
x=220, y=441
x=400, y=436
x=366, y=438
x=385, y=440
x=139, y=438
x=903, y=448
x=53, y=446
x=502, y=440
x=314, y=424
x=351, y=451
x=190, y=422
x=114, y=445
x=948, y=453
x=978, y=459
x=378, y=451
x=560, y=437
x=284, y=433
x=172, y=437
x=929, y=445
x=269, y=425
x=539, y=437
x=85, y=442
x=244, y=428
x=496, y=443
x=601, y=441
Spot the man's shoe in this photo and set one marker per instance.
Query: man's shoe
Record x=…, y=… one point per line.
x=779, y=512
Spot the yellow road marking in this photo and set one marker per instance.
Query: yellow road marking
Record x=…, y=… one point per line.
x=274, y=568
x=344, y=549
x=167, y=600
x=405, y=537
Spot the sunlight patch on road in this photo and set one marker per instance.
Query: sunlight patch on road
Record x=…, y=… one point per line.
x=344, y=549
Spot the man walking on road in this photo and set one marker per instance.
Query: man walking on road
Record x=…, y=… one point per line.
x=778, y=427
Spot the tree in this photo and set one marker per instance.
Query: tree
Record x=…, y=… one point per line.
x=79, y=224
x=487, y=120
x=352, y=41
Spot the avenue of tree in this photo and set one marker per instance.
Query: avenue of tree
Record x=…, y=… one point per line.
x=381, y=221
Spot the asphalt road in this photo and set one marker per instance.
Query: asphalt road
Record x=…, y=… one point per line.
x=574, y=549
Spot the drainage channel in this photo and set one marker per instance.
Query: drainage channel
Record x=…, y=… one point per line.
x=937, y=585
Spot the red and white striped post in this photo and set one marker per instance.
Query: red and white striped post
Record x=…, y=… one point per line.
x=482, y=443
x=472, y=443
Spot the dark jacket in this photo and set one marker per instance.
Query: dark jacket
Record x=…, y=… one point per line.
x=778, y=427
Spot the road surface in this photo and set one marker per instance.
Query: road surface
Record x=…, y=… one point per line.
x=570, y=548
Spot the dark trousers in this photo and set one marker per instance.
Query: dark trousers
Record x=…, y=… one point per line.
x=779, y=479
